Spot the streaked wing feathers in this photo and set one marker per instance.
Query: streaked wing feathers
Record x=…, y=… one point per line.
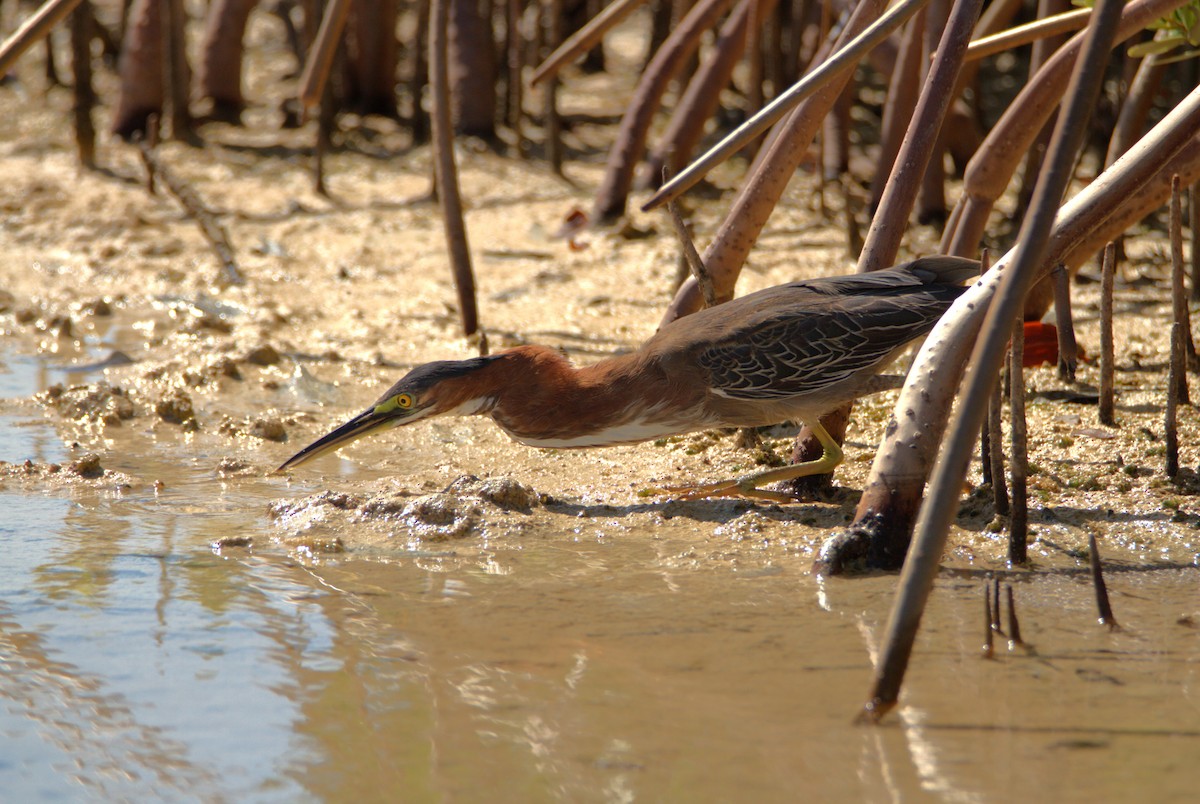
x=797, y=355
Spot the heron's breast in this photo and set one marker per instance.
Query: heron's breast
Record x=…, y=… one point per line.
x=642, y=426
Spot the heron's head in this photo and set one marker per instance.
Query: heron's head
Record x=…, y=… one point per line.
x=444, y=387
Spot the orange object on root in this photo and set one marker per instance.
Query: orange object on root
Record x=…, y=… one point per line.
x=1041, y=344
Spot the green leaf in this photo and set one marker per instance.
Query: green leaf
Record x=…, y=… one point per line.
x=1156, y=46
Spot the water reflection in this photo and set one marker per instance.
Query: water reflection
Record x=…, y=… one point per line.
x=141, y=663
x=141, y=669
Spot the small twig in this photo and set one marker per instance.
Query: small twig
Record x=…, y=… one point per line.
x=33, y=30
x=178, y=73
x=147, y=146
x=694, y=260
x=985, y=450
x=1018, y=532
x=51, y=64
x=1102, y=603
x=994, y=431
x=1068, y=349
x=553, y=22
x=1107, y=367
x=323, y=142
x=1191, y=357
x=1030, y=32
x=1014, y=627
x=82, y=28
x=986, y=441
x=218, y=240
x=1176, y=370
x=320, y=56
x=1194, y=229
x=318, y=163
x=988, y=634
x=583, y=39
x=996, y=454
x=514, y=61
x=446, y=168
x=1179, y=301
x=418, y=80
x=1175, y=373
x=996, y=605
x=315, y=88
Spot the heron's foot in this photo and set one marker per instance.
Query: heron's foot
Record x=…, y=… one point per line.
x=751, y=485
x=737, y=487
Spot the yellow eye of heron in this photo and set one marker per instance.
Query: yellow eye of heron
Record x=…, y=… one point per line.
x=397, y=402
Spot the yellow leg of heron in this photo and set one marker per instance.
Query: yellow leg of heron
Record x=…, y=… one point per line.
x=750, y=485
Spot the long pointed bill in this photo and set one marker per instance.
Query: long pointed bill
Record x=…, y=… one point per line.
x=364, y=424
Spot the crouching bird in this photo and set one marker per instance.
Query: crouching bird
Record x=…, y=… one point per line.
x=792, y=352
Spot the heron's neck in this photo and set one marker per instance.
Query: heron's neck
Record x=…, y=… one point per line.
x=542, y=400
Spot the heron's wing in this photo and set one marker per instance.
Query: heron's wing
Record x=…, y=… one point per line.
x=927, y=272
x=796, y=354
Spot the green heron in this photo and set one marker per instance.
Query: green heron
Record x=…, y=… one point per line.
x=792, y=352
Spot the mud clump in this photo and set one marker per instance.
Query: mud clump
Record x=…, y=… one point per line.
x=264, y=355
x=100, y=402
x=268, y=428
x=232, y=467
x=454, y=513
x=337, y=500
x=212, y=370
x=225, y=367
x=232, y=541
x=502, y=492
x=60, y=326
x=433, y=517
x=386, y=505
x=311, y=523
x=101, y=307
x=87, y=466
x=176, y=408
x=85, y=470
x=441, y=518
x=468, y=507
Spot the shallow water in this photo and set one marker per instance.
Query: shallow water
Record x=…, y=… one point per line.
x=605, y=664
